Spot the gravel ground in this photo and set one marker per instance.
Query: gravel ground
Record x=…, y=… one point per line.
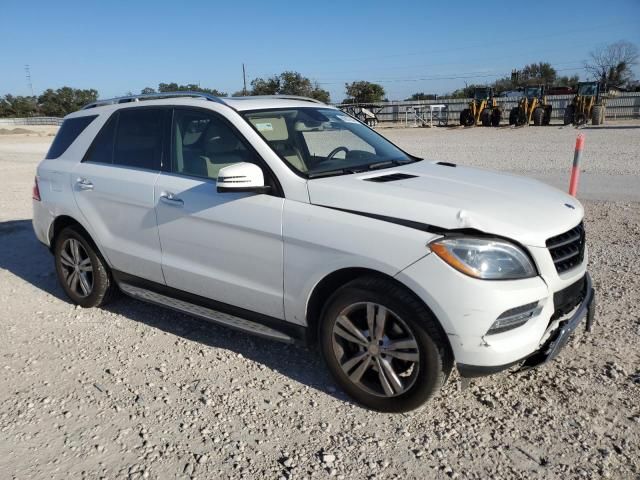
x=136, y=391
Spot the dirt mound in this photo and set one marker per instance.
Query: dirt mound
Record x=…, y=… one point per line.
x=5, y=131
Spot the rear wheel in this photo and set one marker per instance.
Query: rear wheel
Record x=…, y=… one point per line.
x=538, y=117
x=81, y=271
x=496, y=116
x=382, y=346
x=597, y=115
x=513, y=116
x=485, y=117
x=568, y=115
x=521, y=117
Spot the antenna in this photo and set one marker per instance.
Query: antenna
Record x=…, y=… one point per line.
x=27, y=70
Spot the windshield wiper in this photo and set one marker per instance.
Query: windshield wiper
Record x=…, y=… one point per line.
x=389, y=163
x=361, y=168
x=331, y=173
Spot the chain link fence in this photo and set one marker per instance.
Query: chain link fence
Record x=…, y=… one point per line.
x=31, y=121
x=624, y=106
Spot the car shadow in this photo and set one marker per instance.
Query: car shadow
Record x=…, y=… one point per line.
x=24, y=256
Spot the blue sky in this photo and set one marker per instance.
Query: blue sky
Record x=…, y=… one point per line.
x=407, y=46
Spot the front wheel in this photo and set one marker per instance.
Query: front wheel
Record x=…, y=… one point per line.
x=81, y=271
x=466, y=118
x=382, y=346
x=568, y=115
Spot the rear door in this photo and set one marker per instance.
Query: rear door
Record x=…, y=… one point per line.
x=114, y=189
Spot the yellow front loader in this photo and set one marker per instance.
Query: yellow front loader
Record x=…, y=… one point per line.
x=483, y=109
x=589, y=103
x=532, y=106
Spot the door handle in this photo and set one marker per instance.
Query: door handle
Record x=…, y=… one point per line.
x=171, y=199
x=84, y=184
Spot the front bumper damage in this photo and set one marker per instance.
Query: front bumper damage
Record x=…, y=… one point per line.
x=556, y=339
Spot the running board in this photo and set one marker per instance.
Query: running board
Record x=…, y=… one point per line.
x=204, y=312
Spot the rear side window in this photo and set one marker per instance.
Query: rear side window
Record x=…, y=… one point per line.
x=69, y=131
x=101, y=150
x=139, y=138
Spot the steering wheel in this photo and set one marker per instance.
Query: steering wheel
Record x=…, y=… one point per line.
x=337, y=150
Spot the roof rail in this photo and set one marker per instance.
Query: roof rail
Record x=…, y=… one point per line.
x=278, y=97
x=150, y=96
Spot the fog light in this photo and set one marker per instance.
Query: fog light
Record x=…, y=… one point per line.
x=514, y=318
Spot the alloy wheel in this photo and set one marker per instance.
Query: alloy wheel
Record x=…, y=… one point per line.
x=376, y=349
x=77, y=269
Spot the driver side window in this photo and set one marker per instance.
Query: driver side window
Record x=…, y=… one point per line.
x=203, y=143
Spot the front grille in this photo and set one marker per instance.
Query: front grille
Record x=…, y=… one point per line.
x=567, y=249
x=568, y=298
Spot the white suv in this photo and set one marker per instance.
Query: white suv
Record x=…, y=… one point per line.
x=299, y=222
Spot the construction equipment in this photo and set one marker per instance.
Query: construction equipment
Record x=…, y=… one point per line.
x=483, y=109
x=532, y=106
x=589, y=103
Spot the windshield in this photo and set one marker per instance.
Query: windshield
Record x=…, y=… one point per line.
x=587, y=89
x=321, y=141
x=481, y=94
x=532, y=92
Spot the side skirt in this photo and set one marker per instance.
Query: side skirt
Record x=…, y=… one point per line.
x=211, y=310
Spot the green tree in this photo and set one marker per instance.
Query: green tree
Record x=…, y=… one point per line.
x=363, y=92
x=190, y=87
x=421, y=96
x=60, y=102
x=147, y=91
x=541, y=72
x=289, y=83
x=566, y=81
x=467, y=91
x=17, y=106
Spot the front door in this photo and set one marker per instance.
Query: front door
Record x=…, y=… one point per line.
x=223, y=246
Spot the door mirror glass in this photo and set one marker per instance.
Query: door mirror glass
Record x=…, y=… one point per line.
x=241, y=177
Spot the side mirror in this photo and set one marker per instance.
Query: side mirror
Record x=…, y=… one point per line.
x=241, y=177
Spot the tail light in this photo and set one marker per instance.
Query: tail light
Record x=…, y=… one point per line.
x=35, y=193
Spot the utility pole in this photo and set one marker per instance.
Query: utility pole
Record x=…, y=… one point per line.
x=244, y=79
x=27, y=70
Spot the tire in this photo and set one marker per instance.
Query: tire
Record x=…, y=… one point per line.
x=513, y=116
x=485, y=117
x=93, y=285
x=408, y=381
x=538, y=117
x=547, y=115
x=521, y=117
x=568, y=115
x=466, y=119
x=597, y=115
x=496, y=117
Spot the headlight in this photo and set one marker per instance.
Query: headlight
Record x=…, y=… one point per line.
x=487, y=259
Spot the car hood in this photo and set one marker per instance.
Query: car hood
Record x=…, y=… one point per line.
x=447, y=196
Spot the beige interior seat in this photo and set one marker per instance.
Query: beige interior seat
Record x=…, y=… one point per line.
x=274, y=130
x=222, y=148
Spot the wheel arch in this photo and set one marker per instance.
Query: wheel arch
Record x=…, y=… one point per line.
x=331, y=282
x=63, y=221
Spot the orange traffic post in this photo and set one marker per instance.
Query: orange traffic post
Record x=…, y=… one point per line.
x=575, y=169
